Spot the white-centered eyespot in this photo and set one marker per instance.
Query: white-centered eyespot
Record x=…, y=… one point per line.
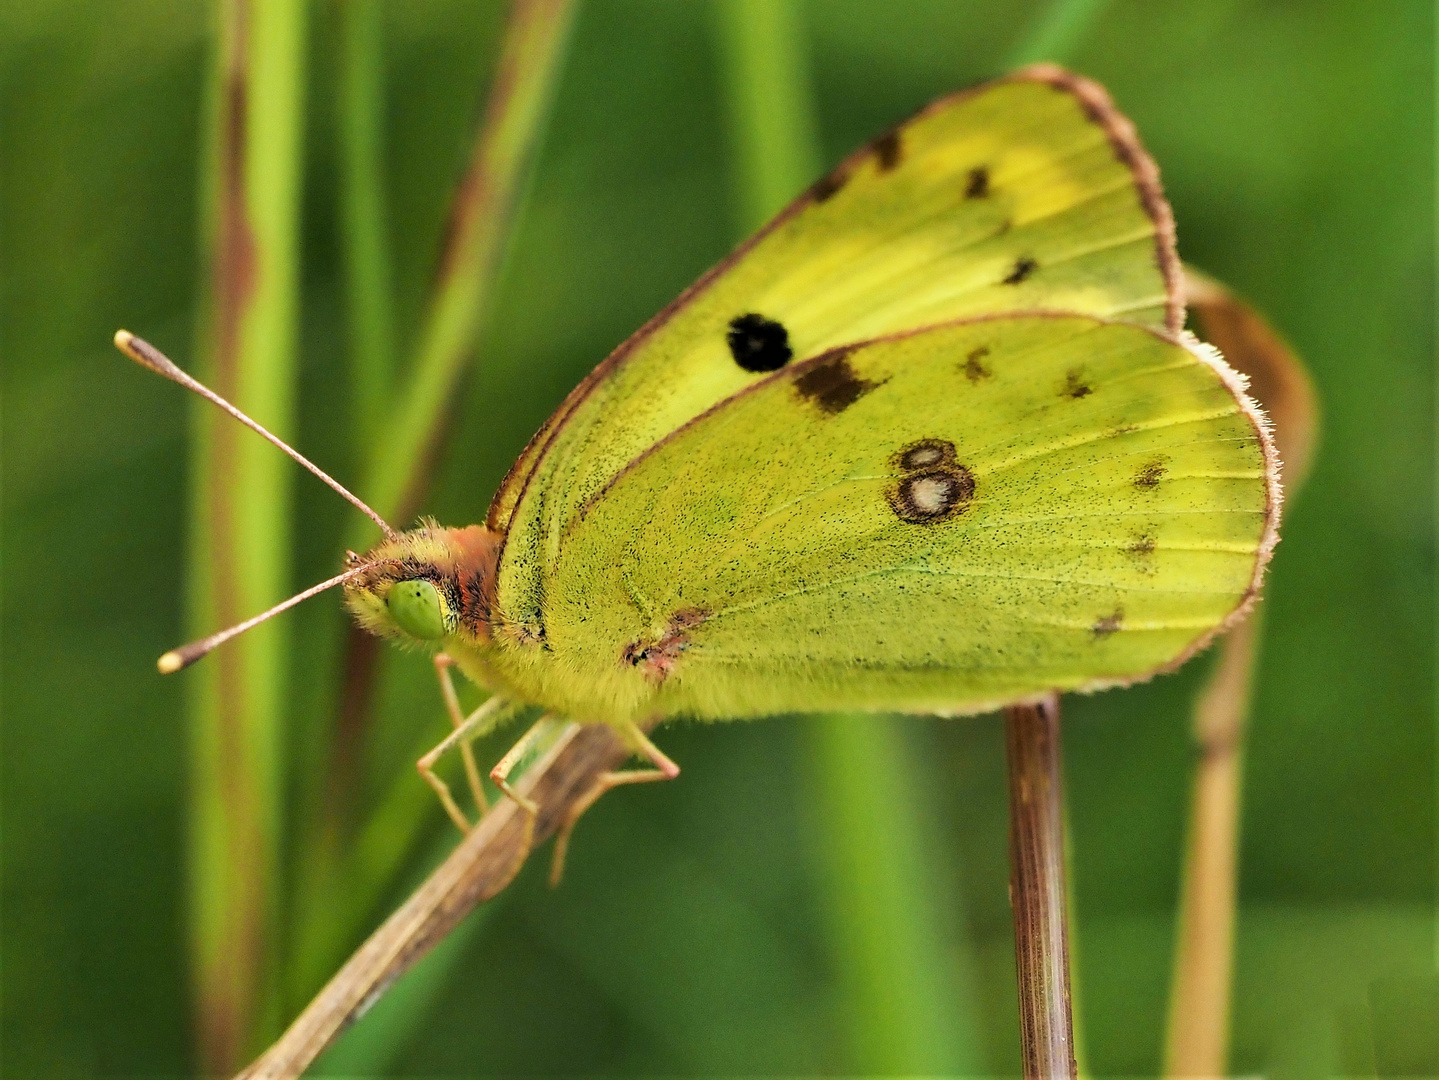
x=924, y=454
x=933, y=495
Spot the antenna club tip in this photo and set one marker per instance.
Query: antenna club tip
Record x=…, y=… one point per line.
x=170, y=663
x=129, y=344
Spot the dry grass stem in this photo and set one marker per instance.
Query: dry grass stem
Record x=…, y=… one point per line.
x=478, y=869
x=1198, y=1038
x=1278, y=379
x=1197, y=1042
x=1037, y=889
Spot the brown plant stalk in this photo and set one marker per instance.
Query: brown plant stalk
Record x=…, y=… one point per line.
x=1197, y=1041
x=1037, y=888
x=479, y=868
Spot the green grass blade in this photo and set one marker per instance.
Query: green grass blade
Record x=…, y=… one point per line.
x=769, y=106
x=366, y=254
x=480, y=225
x=342, y=891
x=348, y=882
x=901, y=1005
x=902, y=968
x=240, y=538
x=1056, y=32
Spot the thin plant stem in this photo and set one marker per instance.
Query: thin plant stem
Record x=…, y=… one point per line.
x=1197, y=1037
x=903, y=1010
x=240, y=514
x=769, y=106
x=478, y=869
x=1056, y=32
x=1037, y=888
x=479, y=228
x=331, y=796
x=1197, y=1041
x=374, y=1048
x=342, y=891
x=366, y=253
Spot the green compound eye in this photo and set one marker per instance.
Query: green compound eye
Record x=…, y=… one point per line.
x=417, y=608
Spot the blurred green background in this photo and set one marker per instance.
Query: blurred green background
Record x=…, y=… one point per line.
x=695, y=932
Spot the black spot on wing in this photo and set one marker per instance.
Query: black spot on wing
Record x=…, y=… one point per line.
x=887, y=150
x=978, y=185
x=1107, y=624
x=757, y=343
x=1074, y=385
x=1148, y=477
x=833, y=385
x=1144, y=544
x=1022, y=269
x=827, y=186
x=974, y=368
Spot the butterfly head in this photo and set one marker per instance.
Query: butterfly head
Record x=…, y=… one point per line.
x=426, y=585
x=423, y=587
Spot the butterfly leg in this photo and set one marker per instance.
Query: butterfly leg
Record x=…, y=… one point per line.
x=472, y=726
x=542, y=729
x=443, y=663
x=664, y=769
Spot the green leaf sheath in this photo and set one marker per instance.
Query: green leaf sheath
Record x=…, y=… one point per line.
x=241, y=514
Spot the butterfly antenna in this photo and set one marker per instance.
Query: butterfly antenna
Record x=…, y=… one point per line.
x=145, y=354
x=186, y=655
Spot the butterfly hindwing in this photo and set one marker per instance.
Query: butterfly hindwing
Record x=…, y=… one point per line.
x=939, y=521
x=1028, y=193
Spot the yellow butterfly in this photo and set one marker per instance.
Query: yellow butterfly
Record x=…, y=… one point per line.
x=933, y=440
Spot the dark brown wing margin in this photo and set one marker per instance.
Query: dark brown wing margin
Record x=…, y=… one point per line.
x=1127, y=148
x=1097, y=105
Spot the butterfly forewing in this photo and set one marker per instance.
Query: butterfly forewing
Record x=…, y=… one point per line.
x=1030, y=193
